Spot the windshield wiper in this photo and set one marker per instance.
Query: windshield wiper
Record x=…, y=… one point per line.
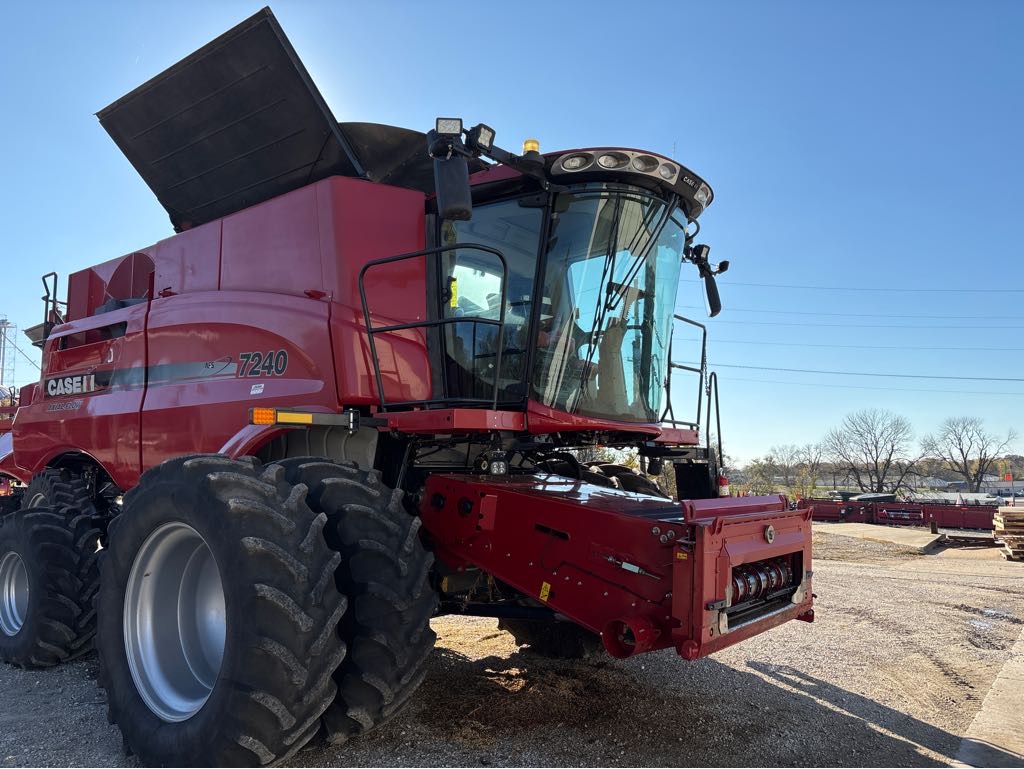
x=615, y=291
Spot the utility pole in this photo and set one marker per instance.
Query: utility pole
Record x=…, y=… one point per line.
x=3, y=349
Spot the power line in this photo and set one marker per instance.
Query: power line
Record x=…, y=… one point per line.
x=860, y=314
x=861, y=325
x=22, y=352
x=901, y=347
x=869, y=387
x=885, y=290
x=872, y=373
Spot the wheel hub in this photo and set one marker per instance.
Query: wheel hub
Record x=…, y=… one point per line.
x=174, y=621
x=13, y=593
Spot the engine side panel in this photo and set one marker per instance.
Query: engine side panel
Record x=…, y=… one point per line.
x=215, y=355
x=361, y=222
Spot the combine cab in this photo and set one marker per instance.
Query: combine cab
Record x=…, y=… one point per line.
x=351, y=394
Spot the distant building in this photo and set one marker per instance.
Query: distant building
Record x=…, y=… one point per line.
x=989, y=483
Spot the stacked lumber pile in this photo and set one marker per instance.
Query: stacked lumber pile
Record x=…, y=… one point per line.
x=1009, y=527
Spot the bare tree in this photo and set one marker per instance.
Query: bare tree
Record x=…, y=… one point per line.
x=810, y=457
x=785, y=458
x=873, y=445
x=761, y=475
x=968, y=448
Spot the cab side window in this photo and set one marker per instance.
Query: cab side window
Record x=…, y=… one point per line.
x=471, y=287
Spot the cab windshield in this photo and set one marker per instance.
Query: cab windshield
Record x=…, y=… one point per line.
x=609, y=294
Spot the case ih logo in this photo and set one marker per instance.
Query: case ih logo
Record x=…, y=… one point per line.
x=71, y=385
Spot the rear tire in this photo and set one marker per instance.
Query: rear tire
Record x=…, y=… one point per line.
x=58, y=488
x=10, y=503
x=385, y=574
x=48, y=579
x=556, y=640
x=248, y=674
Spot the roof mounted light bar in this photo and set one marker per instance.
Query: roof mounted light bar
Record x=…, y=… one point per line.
x=633, y=163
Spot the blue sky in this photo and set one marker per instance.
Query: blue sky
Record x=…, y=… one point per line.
x=869, y=145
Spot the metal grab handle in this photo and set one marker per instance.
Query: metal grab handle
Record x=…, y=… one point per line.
x=371, y=331
x=713, y=390
x=668, y=415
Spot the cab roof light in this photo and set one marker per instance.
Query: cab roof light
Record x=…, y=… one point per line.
x=480, y=138
x=613, y=160
x=448, y=126
x=577, y=161
x=634, y=162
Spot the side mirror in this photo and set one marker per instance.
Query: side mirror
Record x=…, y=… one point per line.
x=451, y=185
x=451, y=170
x=711, y=297
x=699, y=256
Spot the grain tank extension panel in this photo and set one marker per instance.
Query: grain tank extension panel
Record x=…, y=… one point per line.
x=233, y=124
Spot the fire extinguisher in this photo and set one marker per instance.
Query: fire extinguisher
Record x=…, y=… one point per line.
x=723, y=486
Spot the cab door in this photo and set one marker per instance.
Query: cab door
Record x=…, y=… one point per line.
x=471, y=284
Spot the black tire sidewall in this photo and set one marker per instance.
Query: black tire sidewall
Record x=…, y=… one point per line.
x=157, y=505
x=15, y=537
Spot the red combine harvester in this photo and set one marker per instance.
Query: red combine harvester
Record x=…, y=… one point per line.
x=344, y=399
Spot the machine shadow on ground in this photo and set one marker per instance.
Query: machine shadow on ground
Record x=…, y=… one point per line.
x=866, y=709
x=656, y=711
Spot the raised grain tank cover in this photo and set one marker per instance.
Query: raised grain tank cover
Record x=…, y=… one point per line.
x=235, y=123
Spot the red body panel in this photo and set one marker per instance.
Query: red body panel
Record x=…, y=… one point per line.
x=197, y=396
x=164, y=376
x=543, y=419
x=448, y=421
x=597, y=555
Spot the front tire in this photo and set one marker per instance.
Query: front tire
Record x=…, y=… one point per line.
x=218, y=615
x=385, y=574
x=48, y=579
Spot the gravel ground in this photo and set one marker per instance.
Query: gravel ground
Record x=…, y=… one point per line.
x=899, y=659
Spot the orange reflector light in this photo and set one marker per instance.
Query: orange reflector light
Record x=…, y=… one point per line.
x=294, y=418
x=263, y=416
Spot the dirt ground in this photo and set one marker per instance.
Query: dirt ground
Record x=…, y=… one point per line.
x=891, y=673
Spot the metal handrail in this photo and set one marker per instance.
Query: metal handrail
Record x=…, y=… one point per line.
x=668, y=415
x=713, y=390
x=371, y=331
